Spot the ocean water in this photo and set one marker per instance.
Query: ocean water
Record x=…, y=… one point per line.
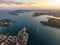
x=38, y=34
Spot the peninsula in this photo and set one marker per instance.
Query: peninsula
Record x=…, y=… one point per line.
x=56, y=14
x=52, y=22
x=5, y=22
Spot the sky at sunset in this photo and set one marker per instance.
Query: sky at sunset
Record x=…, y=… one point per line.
x=30, y=4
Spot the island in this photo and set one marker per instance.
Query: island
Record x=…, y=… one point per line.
x=5, y=22
x=52, y=22
x=20, y=39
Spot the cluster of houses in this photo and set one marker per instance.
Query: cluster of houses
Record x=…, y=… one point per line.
x=20, y=39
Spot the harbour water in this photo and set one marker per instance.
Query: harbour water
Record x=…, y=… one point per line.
x=38, y=33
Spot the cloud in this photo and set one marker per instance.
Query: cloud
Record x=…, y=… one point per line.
x=11, y=2
x=32, y=5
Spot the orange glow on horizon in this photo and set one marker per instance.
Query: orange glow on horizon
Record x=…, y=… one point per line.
x=48, y=5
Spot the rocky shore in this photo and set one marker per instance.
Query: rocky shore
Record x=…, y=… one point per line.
x=20, y=39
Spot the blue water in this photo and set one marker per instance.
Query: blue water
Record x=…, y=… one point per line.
x=38, y=34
